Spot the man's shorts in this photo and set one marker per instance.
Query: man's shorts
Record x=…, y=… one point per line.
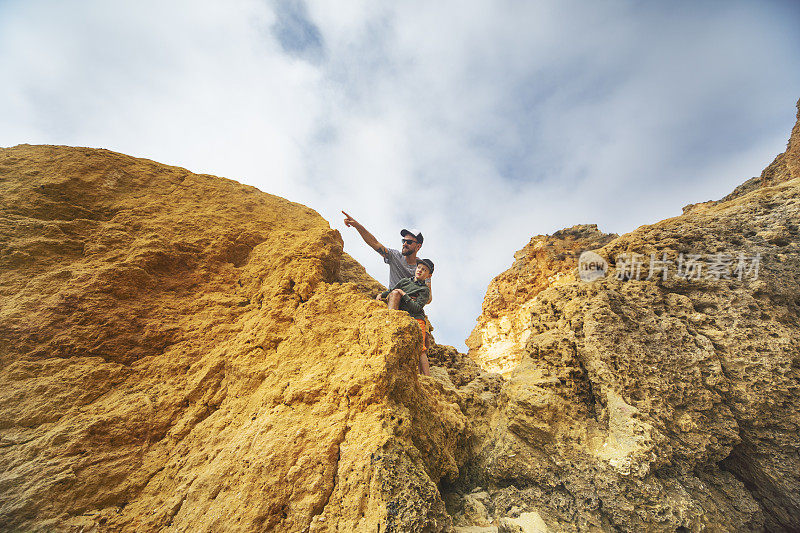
x=423, y=325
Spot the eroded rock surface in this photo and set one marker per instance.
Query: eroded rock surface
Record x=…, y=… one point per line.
x=179, y=352
x=498, y=340
x=653, y=404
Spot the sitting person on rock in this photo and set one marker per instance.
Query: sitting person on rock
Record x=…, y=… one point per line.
x=402, y=263
x=411, y=295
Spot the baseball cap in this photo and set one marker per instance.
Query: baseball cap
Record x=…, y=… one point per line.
x=417, y=234
x=427, y=262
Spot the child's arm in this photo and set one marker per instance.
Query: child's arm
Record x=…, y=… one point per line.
x=385, y=293
x=415, y=303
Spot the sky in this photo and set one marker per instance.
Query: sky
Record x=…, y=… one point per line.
x=480, y=123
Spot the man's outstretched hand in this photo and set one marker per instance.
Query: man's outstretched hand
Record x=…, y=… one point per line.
x=348, y=220
x=366, y=235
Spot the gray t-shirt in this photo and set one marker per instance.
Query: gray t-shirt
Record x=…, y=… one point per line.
x=399, y=268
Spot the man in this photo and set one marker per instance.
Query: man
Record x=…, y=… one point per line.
x=402, y=264
x=410, y=295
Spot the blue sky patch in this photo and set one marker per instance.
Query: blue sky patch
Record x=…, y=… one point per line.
x=297, y=35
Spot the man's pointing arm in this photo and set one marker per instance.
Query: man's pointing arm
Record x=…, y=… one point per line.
x=366, y=235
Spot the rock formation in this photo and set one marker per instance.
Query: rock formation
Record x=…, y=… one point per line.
x=180, y=352
x=655, y=404
x=498, y=341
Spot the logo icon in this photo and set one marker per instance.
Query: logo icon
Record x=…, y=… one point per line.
x=591, y=266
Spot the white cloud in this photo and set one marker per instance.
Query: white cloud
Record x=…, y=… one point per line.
x=482, y=123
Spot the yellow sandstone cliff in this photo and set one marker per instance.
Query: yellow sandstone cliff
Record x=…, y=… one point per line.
x=654, y=405
x=179, y=352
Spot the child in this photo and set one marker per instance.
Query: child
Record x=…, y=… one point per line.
x=411, y=295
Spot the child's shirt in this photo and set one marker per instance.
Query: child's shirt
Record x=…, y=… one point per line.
x=416, y=296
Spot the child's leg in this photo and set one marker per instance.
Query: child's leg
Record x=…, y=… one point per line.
x=393, y=300
x=424, y=368
x=428, y=329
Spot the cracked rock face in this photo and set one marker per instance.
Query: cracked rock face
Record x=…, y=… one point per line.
x=653, y=404
x=182, y=352
x=498, y=340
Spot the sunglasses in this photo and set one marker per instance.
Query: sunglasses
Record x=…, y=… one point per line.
x=409, y=241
